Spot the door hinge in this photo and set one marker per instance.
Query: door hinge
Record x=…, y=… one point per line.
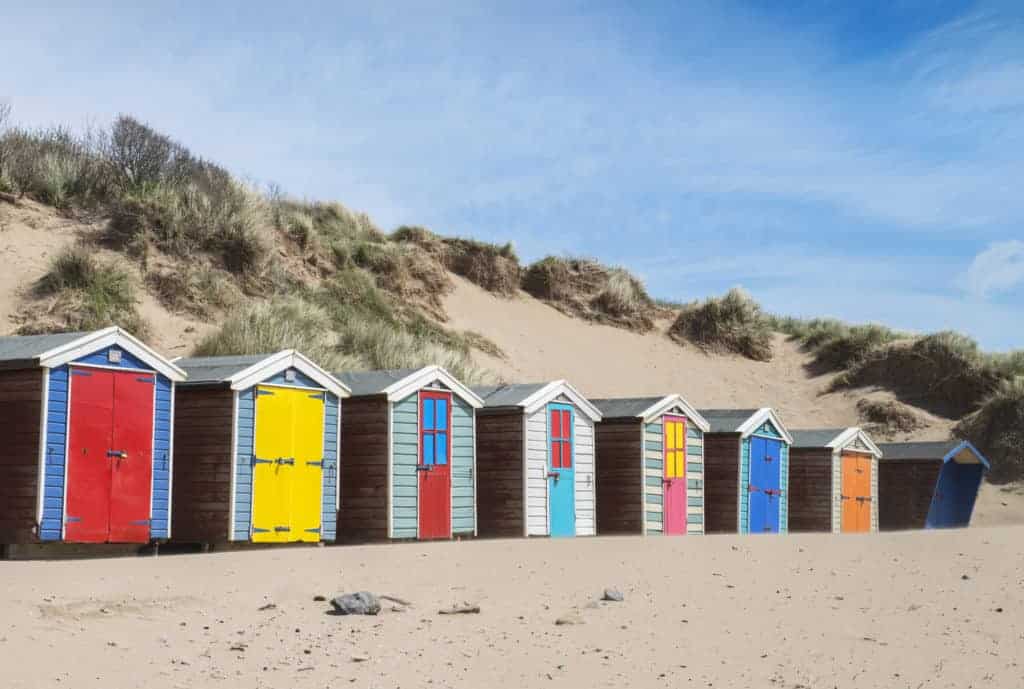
x=315, y=464
x=317, y=396
x=316, y=530
x=264, y=392
x=256, y=529
x=141, y=522
x=72, y=520
x=145, y=380
x=77, y=372
x=257, y=460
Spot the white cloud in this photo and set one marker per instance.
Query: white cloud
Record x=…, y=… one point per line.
x=999, y=268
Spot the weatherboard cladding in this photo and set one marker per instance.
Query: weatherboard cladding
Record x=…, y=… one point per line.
x=405, y=457
x=21, y=396
x=654, y=472
x=51, y=527
x=245, y=420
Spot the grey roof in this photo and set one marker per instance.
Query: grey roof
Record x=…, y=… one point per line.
x=922, y=450
x=373, y=382
x=28, y=348
x=726, y=420
x=818, y=437
x=506, y=395
x=624, y=407
x=204, y=370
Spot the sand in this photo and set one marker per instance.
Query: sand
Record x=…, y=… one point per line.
x=894, y=610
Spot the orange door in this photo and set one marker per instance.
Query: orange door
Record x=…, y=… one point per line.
x=856, y=494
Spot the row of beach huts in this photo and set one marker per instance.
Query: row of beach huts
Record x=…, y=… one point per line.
x=102, y=440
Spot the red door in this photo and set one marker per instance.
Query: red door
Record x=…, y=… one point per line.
x=434, y=468
x=110, y=456
x=132, y=463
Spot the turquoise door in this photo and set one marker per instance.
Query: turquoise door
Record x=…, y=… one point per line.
x=561, y=474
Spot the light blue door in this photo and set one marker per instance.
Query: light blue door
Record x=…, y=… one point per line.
x=561, y=471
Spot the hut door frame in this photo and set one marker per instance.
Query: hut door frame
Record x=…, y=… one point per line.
x=764, y=487
x=433, y=465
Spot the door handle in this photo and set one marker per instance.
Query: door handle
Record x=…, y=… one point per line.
x=553, y=474
x=423, y=467
x=120, y=454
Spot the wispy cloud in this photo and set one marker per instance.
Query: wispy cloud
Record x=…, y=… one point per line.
x=999, y=268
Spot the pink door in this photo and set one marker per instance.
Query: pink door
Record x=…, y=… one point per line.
x=674, y=503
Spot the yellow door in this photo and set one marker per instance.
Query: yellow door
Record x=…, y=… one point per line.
x=307, y=484
x=274, y=465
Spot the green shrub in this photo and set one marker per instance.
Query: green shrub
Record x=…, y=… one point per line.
x=732, y=323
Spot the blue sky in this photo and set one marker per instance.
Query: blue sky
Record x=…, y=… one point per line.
x=858, y=160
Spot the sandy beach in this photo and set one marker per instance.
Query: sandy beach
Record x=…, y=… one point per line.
x=894, y=610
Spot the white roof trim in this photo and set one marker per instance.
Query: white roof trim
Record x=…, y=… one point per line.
x=660, y=407
x=851, y=434
x=423, y=377
x=758, y=418
x=110, y=337
x=560, y=387
x=281, y=361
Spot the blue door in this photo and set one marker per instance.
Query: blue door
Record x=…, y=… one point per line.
x=765, y=485
x=561, y=472
x=953, y=500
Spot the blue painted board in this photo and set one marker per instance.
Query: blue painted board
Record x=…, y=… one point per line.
x=955, y=493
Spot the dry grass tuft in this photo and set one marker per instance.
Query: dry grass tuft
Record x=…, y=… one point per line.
x=587, y=289
x=732, y=323
x=889, y=419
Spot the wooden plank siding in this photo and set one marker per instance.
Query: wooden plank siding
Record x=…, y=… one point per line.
x=721, y=482
x=905, y=490
x=202, y=465
x=499, y=461
x=620, y=496
x=21, y=398
x=363, y=514
x=810, y=489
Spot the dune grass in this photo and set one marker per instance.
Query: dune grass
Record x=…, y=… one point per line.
x=997, y=428
x=732, y=323
x=85, y=294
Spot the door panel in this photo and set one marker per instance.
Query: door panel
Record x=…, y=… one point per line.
x=849, y=491
x=307, y=486
x=561, y=471
x=433, y=468
x=864, y=493
x=764, y=488
x=954, y=496
x=132, y=458
x=91, y=419
x=674, y=502
x=274, y=466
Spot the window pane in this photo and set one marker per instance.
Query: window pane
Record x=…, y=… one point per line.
x=566, y=425
x=428, y=414
x=670, y=464
x=441, y=419
x=428, y=448
x=680, y=436
x=566, y=454
x=442, y=448
x=556, y=455
x=670, y=435
x=556, y=425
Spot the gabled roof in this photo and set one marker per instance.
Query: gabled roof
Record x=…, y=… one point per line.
x=242, y=372
x=532, y=396
x=50, y=351
x=944, y=450
x=397, y=384
x=648, y=408
x=834, y=438
x=743, y=421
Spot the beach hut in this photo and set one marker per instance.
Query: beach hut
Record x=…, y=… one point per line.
x=833, y=481
x=86, y=421
x=746, y=471
x=408, y=456
x=650, y=466
x=535, y=457
x=929, y=485
x=257, y=446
